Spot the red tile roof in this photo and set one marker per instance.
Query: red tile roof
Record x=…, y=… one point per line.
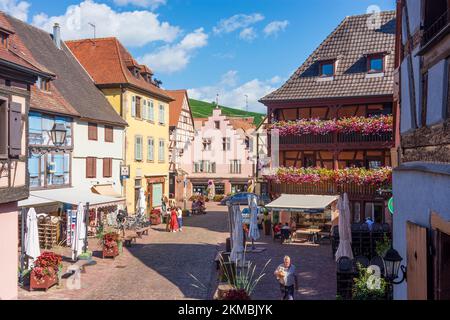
x=176, y=106
x=108, y=62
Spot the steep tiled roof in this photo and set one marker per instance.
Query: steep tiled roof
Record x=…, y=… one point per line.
x=348, y=43
x=108, y=62
x=72, y=81
x=176, y=106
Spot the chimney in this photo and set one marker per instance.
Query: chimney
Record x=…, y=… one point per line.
x=57, y=35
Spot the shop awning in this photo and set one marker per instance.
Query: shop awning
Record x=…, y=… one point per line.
x=34, y=201
x=105, y=190
x=74, y=196
x=302, y=203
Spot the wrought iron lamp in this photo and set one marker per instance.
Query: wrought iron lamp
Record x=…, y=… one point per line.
x=58, y=134
x=392, y=266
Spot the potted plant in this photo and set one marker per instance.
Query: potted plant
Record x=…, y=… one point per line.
x=110, y=243
x=46, y=270
x=368, y=286
x=155, y=217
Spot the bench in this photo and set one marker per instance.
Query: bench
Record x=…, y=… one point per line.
x=80, y=265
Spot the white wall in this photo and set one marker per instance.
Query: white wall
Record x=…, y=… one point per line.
x=415, y=204
x=437, y=93
x=83, y=147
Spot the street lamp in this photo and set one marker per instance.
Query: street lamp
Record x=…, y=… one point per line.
x=392, y=265
x=58, y=134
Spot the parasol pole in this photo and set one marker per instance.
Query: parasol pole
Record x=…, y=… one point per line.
x=22, y=245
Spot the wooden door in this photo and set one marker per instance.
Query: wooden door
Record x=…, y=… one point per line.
x=442, y=266
x=416, y=239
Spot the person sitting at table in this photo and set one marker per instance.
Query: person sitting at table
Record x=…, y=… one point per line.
x=277, y=230
x=286, y=232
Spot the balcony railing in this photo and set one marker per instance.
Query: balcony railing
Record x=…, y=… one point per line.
x=436, y=27
x=328, y=188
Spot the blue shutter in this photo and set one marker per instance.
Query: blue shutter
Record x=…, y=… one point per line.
x=157, y=194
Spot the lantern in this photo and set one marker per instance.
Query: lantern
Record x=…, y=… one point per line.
x=58, y=134
x=392, y=266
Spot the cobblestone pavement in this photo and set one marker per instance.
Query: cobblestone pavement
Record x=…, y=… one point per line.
x=161, y=266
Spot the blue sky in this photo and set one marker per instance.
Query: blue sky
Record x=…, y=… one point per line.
x=231, y=47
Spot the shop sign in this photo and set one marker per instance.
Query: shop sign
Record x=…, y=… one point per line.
x=391, y=205
x=124, y=172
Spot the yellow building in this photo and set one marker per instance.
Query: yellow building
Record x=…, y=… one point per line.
x=133, y=93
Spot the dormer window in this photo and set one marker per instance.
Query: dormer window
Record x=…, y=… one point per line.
x=326, y=69
x=4, y=39
x=43, y=84
x=375, y=64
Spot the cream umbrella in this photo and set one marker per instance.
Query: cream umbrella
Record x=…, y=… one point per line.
x=141, y=203
x=253, y=232
x=79, y=233
x=32, y=249
x=345, y=231
x=238, y=235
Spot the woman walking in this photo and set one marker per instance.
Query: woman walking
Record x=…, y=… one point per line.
x=173, y=221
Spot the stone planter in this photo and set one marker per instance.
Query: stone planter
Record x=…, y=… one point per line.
x=45, y=283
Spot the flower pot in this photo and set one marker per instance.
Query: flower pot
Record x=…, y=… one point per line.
x=155, y=219
x=45, y=282
x=110, y=252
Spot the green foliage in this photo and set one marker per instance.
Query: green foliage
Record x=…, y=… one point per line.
x=201, y=109
x=383, y=246
x=362, y=290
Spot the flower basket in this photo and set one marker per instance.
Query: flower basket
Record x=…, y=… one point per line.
x=46, y=271
x=110, y=252
x=110, y=245
x=45, y=282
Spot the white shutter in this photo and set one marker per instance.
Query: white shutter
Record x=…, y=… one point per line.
x=151, y=111
x=133, y=107
x=144, y=110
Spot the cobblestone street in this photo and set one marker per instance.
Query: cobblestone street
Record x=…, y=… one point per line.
x=160, y=266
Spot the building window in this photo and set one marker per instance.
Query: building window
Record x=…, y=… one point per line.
x=144, y=110
x=109, y=134
x=49, y=170
x=40, y=126
x=162, y=114
x=309, y=161
x=207, y=143
x=138, y=108
x=4, y=39
x=92, y=131
x=91, y=167
x=150, y=149
x=107, y=167
x=204, y=167
x=4, y=129
x=162, y=151
x=151, y=111
x=326, y=69
x=226, y=144
x=435, y=18
x=43, y=84
x=217, y=124
x=375, y=64
x=138, y=148
x=235, y=167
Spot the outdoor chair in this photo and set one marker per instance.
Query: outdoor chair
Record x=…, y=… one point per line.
x=344, y=277
x=276, y=236
x=362, y=260
x=344, y=265
x=377, y=227
x=366, y=241
x=285, y=235
x=386, y=228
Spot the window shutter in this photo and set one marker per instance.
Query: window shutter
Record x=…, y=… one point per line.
x=92, y=131
x=144, y=110
x=151, y=111
x=3, y=129
x=91, y=167
x=133, y=107
x=107, y=167
x=138, y=107
x=109, y=134
x=15, y=129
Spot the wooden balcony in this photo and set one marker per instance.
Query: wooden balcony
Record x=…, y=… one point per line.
x=436, y=28
x=337, y=141
x=354, y=190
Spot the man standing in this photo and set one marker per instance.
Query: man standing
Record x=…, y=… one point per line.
x=285, y=274
x=180, y=218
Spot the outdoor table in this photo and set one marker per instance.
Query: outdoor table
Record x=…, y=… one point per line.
x=312, y=233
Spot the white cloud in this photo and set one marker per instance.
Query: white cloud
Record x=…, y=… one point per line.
x=173, y=58
x=133, y=28
x=233, y=95
x=248, y=34
x=229, y=79
x=18, y=9
x=275, y=27
x=152, y=4
x=236, y=22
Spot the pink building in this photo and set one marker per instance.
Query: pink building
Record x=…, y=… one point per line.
x=17, y=75
x=220, y=152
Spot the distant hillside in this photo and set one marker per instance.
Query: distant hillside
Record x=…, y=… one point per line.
x=202, y=109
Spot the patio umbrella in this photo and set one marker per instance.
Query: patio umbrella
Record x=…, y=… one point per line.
x=141, y=203
x=32, y=249
x=253, y=232
x=345, y=231
x=79, y=233
x=238, y=235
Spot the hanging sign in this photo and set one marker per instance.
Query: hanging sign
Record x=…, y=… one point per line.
x=124, y=172
x=391, y=205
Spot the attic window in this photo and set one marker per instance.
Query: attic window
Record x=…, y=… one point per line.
x=43, y=84
x=327, y=69
x=375, y=63
x=4, y=39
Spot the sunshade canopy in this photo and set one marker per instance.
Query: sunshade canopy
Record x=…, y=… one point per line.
x=302, y=203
